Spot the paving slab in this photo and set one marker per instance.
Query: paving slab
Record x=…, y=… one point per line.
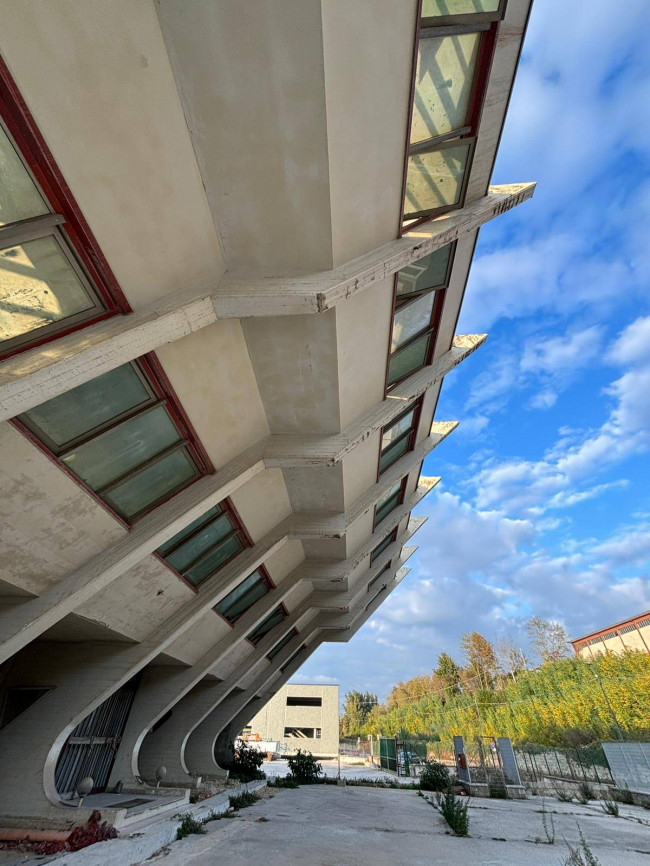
x=357, y=826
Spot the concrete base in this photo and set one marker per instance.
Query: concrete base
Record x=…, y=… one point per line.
x=147, y=836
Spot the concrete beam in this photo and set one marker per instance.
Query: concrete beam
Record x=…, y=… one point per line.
x=31, y=378
x=294, y=451
x=26, y=620
x=240, y=295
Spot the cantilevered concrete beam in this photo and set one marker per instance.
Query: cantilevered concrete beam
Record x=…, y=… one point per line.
x=24, y=621
x=33, y=377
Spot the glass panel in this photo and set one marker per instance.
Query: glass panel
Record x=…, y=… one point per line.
x=281, y=645
x=408, y=360
x=204, y=518
x=266, y=625
x=443, y=84
x=185, y=555
x=90, y=405
x=110, y=455
x=243, y=597
x=152, y=484
x=427, y=273
x=392, y=454
x=214, y=560
x=435, y=179
x=382, y=546
x=38, y=286
x=19, y=196
x=386, y=509
x=410, y=319
x=395, y=489
x=433, y=8
x=397, y=429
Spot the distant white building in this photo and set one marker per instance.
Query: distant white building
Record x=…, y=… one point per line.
x=299, y=717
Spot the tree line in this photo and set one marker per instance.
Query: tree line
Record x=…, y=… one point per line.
x=496, y=691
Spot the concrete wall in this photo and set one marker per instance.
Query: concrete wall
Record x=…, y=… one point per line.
x=271, y=721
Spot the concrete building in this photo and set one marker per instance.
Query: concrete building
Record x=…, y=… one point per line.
x=235, y=242
x=628, y=635
x=299, y=717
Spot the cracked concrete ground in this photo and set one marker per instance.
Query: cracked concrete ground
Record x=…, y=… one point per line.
x=355, y=826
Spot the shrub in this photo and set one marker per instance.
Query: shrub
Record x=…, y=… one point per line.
x=188, y=825
x=241, y=801
x=245, y=766
x=454, y=811
x=610, y=807
x=586, y=792
x=283, y=782
x=305, y=769
x=434, y=776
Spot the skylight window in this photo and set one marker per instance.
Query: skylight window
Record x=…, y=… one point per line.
x=119, y=434
x=206, y=545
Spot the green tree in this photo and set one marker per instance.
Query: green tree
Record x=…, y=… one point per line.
x=356, y=707
x=548, y=638
x=481, y=659
x=448, y=674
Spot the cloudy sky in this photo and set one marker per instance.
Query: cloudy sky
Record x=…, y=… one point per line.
x=543, y=507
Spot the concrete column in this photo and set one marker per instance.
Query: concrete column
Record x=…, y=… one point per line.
x=167, y=744
x=200, y=745
x=161, y=688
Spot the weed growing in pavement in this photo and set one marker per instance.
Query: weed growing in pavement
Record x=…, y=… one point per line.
x=189, y=825
x=610, y=807
x=241, y=801
x=582, y=855
x=548, y=825
x=454, y=810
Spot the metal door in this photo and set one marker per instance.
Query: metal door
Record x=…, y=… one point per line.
x=91, y=747
x=388, y=753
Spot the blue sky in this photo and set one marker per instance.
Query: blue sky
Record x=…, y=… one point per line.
x=543, y=507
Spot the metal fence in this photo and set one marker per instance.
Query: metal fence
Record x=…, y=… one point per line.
x=570, y=765
x=630, y=763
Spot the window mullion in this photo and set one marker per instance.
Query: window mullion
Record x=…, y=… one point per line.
x=204, y=555
x=29, y=229
x=136, y=412
x=127, y=476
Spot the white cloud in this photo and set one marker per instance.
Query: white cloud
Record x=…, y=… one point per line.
x=543, y=399
x=530, y=487
x=633, y=344
x=563, y=354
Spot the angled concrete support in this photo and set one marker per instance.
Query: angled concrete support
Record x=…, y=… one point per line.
x=24, y=621
x=161, y=688
x=200, y=746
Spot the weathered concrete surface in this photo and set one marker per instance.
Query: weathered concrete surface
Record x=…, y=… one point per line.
x=358, y=826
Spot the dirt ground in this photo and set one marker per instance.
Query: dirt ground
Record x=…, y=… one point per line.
x=358, y=826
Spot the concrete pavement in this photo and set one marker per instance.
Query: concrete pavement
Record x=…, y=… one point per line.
x=356, y=826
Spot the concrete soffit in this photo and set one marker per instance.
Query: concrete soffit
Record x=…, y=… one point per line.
x=24, y=622
x=33, y=377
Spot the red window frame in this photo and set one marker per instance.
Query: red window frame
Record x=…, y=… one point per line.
x=284, y=610
x=162, y=387
x=393, y=537
x=38, y=157
x=244, y=536
x=268, y=580
x=461, y=23
x=400, y=501
x=412, y=435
